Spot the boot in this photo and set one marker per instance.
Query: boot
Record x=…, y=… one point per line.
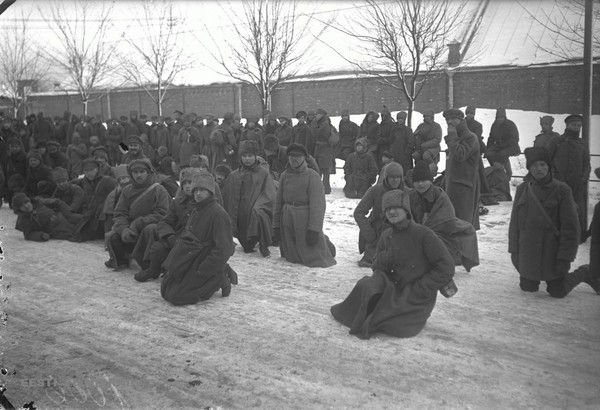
x=231, y=274
x=581, y=274
x=145, y=275
x=264, y=250
x=225, y=286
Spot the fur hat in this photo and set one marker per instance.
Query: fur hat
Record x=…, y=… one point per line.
x=393, y=170
x=345, y=113
x=121, y=171
x=223, y=169
x=18, y=200
x=321, y=111
x=360, y=141
x=421, y=172
x=248, y=147
x=135, y=139
x=296, y=148
x=196, y=161
x=547, y=119
x=89, y=162
x=453, y=113
x=428, y=113
x=387, y=154
x=271, y=142
x=501, y=112
x=187, y=174
x=396, y=198
x=301, y=114
x=470, y=109
x=228, y=116
x=162, y=151
x=535, y=154
x=272, y=117
x=53, y=143
x=573, y=117
x=34, y=153
x=100, y=152
x=401, y=114
x=140, y=163
x=59, y=174
x=204, y=180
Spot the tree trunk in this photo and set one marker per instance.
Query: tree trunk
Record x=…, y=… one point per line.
x=85, y=107
x=411, y=108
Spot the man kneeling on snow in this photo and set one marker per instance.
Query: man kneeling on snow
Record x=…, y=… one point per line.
x=197, y=265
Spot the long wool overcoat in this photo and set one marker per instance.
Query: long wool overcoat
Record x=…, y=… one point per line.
x=195, y=266
x=300, y=206
x=462, y=173
x=412, y=264
x=360, y=172
x=532, y=237
x=323, y=151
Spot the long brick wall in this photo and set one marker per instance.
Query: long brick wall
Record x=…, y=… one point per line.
x=556, y=89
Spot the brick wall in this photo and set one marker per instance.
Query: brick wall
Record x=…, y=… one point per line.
x=557, y=89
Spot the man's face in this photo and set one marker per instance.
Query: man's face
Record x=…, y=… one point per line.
x=62, y=185
x=470, y=115
x=124, y=181
x=94, y=141
x=427, y=119
x=101, y=160
x=15, y=148
x=186, y=186
x=52, y=149
x=546, y=126
x=422, y=186
x=219, y=177
x=139, y=174
x=395, y=215
x=90, y=172
x=453, y=121
x=345, y=117
x=302, y=120
x=575, y=125
x=500, y=119
x=6, y=124
x=26, y=207
x=34, y=162
x=539, y=169
x=359, y=148
x=134, y=148
x=296, y=159
x=200, y=194
x=394, y=182
x=248, y=159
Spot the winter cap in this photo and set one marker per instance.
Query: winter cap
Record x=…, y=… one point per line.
x=143, y=117
x=272, y=117
x=209, y=118
x=89, y=163
x=196, y=161
x=535, y=154
x=187, y=174
x=321, y=111
x=134, y=139
x=223, y=169
x=133, y=113
x=296, y=148
x=100, y=152
x=121, y=171
x=248, y=147
x=162, y=151
x=228, y=116
x=385, y=112
x=271, y=142
x=547, y=119
x=252, y=118
x=573, y=117
x=428, y=113
x=34, y=153
x=360, y=141
x=301, y=114
x=345, y=113
x=141, y=163
x=393, y=170
x=59, y=174
x=401, y=114
x=283, y=118
x=421, y=172
x=395, y=198
x=19, y=200
x=312, y=112
x=387, y=154
x=470, y=109
x=177, y=112
x=501, y=112
x=453, y=113
x=53, y=143
x=204, y=180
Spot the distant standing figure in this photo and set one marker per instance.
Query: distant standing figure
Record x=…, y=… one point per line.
x=428, y=137
x=544, y=137
x=503, y=141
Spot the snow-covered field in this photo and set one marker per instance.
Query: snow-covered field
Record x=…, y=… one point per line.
x=80, y=336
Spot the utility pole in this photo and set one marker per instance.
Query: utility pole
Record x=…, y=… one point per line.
x=587, y=79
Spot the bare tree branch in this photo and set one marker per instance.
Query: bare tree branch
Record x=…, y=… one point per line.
x=154, y=61
x=20, y=59
x=84, y=51
x=269, y=45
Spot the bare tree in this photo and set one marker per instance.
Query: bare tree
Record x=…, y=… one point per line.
x=403, y=42
x=158, y=57
x=266, y=46
x=563, y=22
x=20, y=63
x=84, y=49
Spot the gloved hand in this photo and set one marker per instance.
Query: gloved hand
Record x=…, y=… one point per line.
x=514, y=257
x=369, y=234
x=312, y=237
x=171, y=240
x=44, y=236
x=561, y=267
x=128, y=235
x=276, y=235
x=137, y=225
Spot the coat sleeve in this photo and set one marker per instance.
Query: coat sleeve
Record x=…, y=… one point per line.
x=121, y=215
x=316, y=198
x=32, y=231
x=78, y=199
x=279, y=201
x=436, y=137
x=513, y=227
x=160, y=209
x=569, y=226
x=223, y=245
x=460, y=149
x=363, y=208
x=372, y=170
x=442, y=269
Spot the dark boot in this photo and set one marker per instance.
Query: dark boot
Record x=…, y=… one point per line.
x=225, y=286
x=264, y=250
x=231, y=274
x=581, y=274
x=145, y=275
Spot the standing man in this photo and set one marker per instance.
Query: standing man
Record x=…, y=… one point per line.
x=486, y=195
x=403, y=143
x=428, y=137
x=462, y=168
x=503, y=141
x=302, y=134
x=570, y=161
x=544, y=137
x=323, y=151
x=349, y=133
